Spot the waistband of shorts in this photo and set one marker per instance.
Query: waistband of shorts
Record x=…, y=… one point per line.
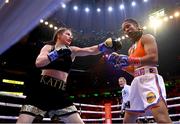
x=32, y=110
x=53, y=82
x=62, y=112
x=145, y=70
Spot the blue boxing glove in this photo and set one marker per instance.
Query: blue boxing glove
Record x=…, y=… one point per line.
x=55, y=54
x=118, y=60
x=123, y=60
x=110, y=45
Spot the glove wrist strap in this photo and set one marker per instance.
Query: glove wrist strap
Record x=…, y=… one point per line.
x=53, y=55
x=134, y=61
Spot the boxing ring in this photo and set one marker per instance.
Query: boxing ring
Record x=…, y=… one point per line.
x=106, y=113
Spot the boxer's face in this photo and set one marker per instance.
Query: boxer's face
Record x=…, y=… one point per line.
x=65, y=37
x=130, y=29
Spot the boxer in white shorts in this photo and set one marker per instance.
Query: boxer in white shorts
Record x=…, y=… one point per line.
x=147, y=88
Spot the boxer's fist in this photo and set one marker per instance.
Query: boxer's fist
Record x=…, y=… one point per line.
x=110, y=45
x=118, y=60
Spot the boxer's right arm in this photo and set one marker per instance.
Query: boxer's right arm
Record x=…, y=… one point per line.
x=42, y=59
x=46, y=55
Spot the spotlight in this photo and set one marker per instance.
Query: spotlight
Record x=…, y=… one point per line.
x=55, y=28
x=6, y=1
x=46, y=23
x=110, y=8
x=41, y=20
x=165, y=19
x=63, y=5
x=75, y=8
x=98, y=10
x=87, y=9
x=145, y=0
x=123, y=37
x=171, y=17
x=176, y=14
x=51, y=25
x=133, y=3
x=121, y=6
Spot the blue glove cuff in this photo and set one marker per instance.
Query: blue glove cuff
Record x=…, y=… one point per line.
x=53, y=55
x=102, y=47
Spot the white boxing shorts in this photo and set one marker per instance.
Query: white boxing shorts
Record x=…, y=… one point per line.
x=147, y=89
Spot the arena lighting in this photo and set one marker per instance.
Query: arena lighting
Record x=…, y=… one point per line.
x=12, y=82
x=110, y=8
x=155, y=19
x=98, y=10
x=133, y=3
x=123, y=37
x=41, y=20
x=126, y=36
x=51, y=25
x=63, y=5
x=165, y=19
x=87, y=9
x=121, y=6
x=155, y=23
x=171, y=17
x=159, y=13
x=6, y=1
x=75, y=8
x=176, y=14
x=55, y=28
x=118, y=39
x=46, y=23
x=11, y=93
x=145, y=0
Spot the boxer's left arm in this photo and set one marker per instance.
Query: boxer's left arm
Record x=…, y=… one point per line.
x=77, y=51
x=151, y=50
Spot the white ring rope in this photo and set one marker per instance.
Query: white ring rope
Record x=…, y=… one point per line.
x=170, y=99
x=79, y=104
x=113, y=106
x=92, y=112
x=10, y=105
